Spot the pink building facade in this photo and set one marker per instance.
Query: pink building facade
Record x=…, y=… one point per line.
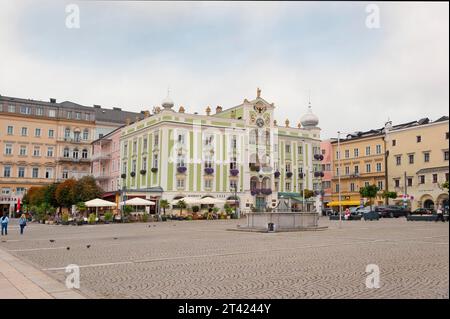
x=327, y=166
x=106, y=164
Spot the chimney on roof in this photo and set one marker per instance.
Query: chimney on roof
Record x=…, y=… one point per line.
x=208, y=110
x=117, y=109
x=97, y=106
x=52, y=100
x=218, y=109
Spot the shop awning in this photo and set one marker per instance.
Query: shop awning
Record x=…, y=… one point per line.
x=344, y=203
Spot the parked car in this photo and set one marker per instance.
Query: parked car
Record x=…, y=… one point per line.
x=423, y=211
x=394, y=211
x=371, y=215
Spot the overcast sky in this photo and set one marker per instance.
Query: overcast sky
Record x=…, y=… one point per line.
x=127, y=54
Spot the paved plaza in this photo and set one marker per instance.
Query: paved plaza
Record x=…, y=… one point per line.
x=204, y=259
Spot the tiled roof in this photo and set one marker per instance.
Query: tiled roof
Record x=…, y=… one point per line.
x=115, y=115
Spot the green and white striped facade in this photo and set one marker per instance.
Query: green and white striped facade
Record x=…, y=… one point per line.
x=229, y=139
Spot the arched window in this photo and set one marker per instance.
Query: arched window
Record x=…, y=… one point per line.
x=75, y=153
x=84, y=153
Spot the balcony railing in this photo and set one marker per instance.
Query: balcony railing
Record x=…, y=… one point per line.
x=102, y=176
x=74, y=160
x=73, y=140
x=101, y=156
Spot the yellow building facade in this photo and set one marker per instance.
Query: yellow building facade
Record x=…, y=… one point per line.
x=362, y=163
x=418, y=163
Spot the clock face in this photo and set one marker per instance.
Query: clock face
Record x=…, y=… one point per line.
x=260, y=122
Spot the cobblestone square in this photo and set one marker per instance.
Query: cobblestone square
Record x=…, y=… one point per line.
x=204, y=259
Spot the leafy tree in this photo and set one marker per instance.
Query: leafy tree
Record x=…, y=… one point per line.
x=388, y=194
x=163, y=203
x=445, y=185
x=308, y=193
x=81, y=207
x=34, y=196
x=86, y=189
x=369, y=192
x=127, y=210
x=43, y=210
x=181, y=205
x=65, y=193
x=195, y=209
x=49, y=192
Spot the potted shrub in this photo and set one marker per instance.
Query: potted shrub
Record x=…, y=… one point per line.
x=145, y=217
x=91, y=218
x=65, y=218
x=195, y=210
x=108, y=217
x=154, y=169
x=289, y=174
x=143, y=171
x=133, y=174
x=123, y=176
x=126, y=212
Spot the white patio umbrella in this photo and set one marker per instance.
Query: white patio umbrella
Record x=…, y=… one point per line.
x=138, y=202
x=212, y=201
x=187, y=200
x=98, y=202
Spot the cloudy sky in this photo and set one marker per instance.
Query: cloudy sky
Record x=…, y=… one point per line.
x=127, y=54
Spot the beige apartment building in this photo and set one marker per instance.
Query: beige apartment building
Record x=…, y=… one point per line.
x=418, y=163
x=27, y=155
x=43, y=142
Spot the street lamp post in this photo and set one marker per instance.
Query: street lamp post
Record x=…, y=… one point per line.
x=304, y=176
x=339, y=178
x=124, y=187
x=236, y=211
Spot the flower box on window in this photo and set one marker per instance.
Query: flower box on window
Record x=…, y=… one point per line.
x=181, y=169
x=277, y=174
x=209, y=170
x=234, y=172
x=154, y=169
x=289, y=174
x=143, y=171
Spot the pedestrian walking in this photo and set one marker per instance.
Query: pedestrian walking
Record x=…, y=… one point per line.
x=440, y=214
x=4, y=222
x=347, y=214
x=22, y=223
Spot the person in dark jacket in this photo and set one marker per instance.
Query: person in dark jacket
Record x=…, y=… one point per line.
x=22, y=223
x=4, y=221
